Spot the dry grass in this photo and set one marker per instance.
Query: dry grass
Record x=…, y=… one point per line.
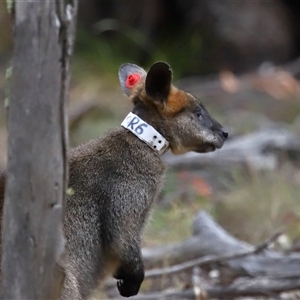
x=174, y=214
x=254, y=207
x=259, y=205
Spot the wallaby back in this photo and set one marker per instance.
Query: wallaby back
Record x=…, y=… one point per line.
x=116, y=179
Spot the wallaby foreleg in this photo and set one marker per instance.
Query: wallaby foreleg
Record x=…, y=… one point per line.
x=130, y=273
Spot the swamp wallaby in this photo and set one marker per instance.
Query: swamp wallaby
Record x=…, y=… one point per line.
x=117, y=177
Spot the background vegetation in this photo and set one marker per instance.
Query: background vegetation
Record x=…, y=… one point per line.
x=228, y=48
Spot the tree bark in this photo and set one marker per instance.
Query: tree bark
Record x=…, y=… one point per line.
x=36, y=179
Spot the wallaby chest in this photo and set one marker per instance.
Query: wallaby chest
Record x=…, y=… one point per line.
x=116, y=167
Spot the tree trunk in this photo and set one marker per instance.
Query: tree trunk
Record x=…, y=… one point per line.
x=36, y=180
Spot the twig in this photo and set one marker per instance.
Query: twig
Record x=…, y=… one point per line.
x=266, y=244
x=210, y=259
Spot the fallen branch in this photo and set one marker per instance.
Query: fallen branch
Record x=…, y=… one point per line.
x=211, y=241
x=210, y=259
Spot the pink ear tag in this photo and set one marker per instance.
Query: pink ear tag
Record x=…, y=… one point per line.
x=132, y=79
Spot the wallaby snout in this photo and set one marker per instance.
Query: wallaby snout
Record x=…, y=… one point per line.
x=214, y=134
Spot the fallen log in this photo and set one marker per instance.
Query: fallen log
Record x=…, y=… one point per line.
x=210, y=239
x=210, y=259
x=258, y=150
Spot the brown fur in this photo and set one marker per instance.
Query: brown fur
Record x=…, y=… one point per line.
x=176, y=102
x=177, y=99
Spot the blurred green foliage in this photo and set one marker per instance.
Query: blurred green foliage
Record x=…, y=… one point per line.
x=114, y=43
x=252, y=206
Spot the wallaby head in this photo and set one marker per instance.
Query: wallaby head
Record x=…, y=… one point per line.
x=180, y=117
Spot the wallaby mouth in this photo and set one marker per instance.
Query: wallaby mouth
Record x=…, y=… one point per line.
x=220, y=140
x=211, y=148
x=217, y=143
x=205, y=148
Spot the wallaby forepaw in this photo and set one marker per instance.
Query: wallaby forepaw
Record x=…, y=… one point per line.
x=128, y=288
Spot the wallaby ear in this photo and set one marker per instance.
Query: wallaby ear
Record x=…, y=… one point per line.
x=158, y=81
x=129, y=76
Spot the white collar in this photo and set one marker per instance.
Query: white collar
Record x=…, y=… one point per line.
x=146, y=133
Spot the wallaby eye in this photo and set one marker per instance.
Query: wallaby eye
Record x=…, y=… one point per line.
x=198, y=114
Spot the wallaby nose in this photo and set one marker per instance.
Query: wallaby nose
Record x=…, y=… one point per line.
x=225, y=134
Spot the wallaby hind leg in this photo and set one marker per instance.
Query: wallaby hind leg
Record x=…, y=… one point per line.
x=70, y=289
x=81, y=280
x=84, y=261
